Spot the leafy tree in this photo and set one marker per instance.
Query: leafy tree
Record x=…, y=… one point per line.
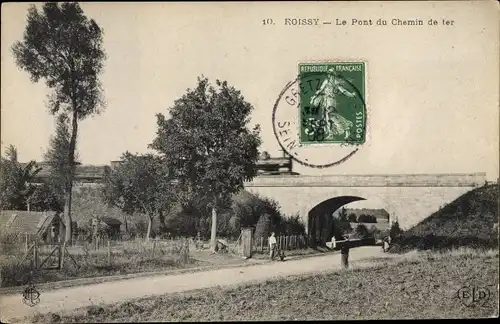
x=186, y=219
x=293, y=225
x=64, y=47
x=207, y=141
x=263, y=227
x=361, y=231
x=57, y=157
x=341, y=225
x=352, y=218
x=343, y=215
x=44, y=198
x=50, y=195
x=395, y=230
x=141, y=184
x=16, y=181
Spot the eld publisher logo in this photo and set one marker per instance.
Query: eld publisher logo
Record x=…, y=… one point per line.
x=473, y=296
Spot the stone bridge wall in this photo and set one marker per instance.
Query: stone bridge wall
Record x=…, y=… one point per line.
x=410, y=198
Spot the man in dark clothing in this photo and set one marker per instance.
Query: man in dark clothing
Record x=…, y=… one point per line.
x=344, y=251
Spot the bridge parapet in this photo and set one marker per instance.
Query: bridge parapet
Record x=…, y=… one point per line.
x=385, y=180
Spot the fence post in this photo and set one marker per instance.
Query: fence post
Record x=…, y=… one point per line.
x=63, y=249
x=35, y=255
x=262, y=244
x=186, y=251
x=25, y=242
x=109, y=254
x=154, y=246
x=59, y=255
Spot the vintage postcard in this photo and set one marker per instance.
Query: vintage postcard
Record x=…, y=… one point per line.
x=236, y=161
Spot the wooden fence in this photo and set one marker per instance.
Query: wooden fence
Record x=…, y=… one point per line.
x=283, y=242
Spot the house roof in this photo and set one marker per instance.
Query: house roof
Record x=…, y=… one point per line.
x=20, y=221
x=110, y=221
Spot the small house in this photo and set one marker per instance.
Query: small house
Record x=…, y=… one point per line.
x=111, y=226
x=47, y=226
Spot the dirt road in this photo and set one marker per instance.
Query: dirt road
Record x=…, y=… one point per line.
x=65, y=299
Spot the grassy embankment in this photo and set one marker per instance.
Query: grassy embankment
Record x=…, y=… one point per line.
x=468, y=221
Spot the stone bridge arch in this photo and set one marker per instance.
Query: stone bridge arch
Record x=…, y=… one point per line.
x=320, y=218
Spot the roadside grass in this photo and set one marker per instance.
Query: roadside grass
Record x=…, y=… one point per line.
x=416, y=286
x=126, y=259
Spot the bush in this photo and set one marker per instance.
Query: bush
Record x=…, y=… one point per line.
x=292, y=226
x=395, y=232
x=352, y=218
x=367, y=219
x=263, y=227
x=361, y=232
x=9, y=243
x=340, y=227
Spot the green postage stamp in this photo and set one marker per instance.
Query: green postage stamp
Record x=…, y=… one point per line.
x=332, y=103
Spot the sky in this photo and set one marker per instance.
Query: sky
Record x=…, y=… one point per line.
x=432, y=91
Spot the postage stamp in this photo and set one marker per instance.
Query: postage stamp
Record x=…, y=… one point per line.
x=320, y=118
x=332, y=108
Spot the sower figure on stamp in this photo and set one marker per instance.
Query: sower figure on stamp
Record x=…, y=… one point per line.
x=325, y=99
x=272, y=246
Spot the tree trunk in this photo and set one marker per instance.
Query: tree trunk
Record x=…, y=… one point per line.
x=69, y=178
x=163, y=225
x=213, y=235
x=148, y=233
x=125, y=222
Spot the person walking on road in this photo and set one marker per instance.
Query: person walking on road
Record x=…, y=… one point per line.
x=386, y=244
x=344, y=251
x=272, y=246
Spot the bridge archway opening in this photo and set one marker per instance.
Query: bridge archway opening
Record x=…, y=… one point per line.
x=319, y=219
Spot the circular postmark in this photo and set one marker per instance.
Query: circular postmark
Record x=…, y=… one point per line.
x=319, y=118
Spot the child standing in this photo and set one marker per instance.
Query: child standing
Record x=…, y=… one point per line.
x=272, y=246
